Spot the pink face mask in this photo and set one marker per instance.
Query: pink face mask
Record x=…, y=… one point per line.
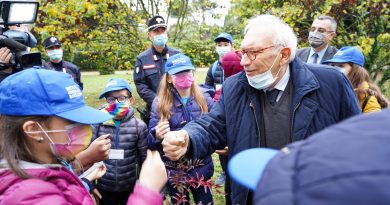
x=79, y=137
x=183, y=80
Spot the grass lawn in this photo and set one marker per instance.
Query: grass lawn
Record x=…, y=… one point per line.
x=94, y=85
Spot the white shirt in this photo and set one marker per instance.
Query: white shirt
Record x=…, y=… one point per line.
x=320, y=55
x=282, y=84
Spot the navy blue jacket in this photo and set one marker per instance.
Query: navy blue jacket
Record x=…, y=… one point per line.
x=149, y=68
x=344, y=164
x=218, y=76
x=180, y=117
x=321, y=96
x=66, y=67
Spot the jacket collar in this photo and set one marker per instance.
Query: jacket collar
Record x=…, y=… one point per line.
x=29, y=165
x=164, y=51
x=303, y=81
x=177, y=98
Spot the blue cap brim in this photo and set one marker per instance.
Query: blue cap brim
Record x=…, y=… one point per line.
x=102, y=95
x=219, y=38
x=180, y=69
x=85, y=115
x=336, y=60
x=247, y=166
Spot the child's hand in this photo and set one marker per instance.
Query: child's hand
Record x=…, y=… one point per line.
x=153, y=173
x=97, y=173
x=97, y=151
x=162, y=128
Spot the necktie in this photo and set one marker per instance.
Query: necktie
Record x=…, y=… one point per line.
x=272, y=95
x=314, y=58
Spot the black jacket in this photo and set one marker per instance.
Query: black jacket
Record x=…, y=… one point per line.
x=130, y=135
x=149, y=68
x=66, y=67
x=214, y=77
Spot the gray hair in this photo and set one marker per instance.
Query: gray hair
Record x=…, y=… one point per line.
x=333, y=22
x=280, y=32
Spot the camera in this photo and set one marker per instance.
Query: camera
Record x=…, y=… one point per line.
x=13, y=14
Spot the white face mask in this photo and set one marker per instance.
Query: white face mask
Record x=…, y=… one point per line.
x=55, y=54
x=263, y=80
x=222, y=50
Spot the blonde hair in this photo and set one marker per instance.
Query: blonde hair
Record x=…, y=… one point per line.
x=165, y=98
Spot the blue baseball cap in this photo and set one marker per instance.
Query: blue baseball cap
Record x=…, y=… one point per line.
x=115, y=84
x=348, y=54
x=46, y=93
x=247, y=167
x=177, y=63
x=224, y=36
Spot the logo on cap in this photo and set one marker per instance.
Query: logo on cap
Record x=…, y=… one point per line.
x=53, y=39
x=339, y=53
x=73, y=91
x=111, y=83
x=159, y=20
x=178, y=61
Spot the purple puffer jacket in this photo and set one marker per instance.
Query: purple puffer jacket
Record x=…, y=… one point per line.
x=181, y=116
x=55, y=184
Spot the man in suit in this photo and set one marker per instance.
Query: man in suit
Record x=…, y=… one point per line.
x=322, y=31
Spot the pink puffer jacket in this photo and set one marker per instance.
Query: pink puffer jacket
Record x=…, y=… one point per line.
x=51, y=184
x=55, y=184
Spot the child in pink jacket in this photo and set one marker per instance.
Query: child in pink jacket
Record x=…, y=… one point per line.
x=44, y=123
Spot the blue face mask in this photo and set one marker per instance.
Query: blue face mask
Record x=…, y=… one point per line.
x=55, y=54
x=160, y=40
x=222, y=50
x=263, y=80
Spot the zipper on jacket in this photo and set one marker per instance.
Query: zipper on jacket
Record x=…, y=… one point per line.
x=116, y=160
x=292, y=121
x=257, y=123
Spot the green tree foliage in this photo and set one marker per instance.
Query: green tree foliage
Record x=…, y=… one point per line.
x=96, y=34
x=108, y=34
x=360, y=23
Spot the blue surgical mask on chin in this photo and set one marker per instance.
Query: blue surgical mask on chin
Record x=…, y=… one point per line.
x=55, y=54
x=160, y=40
x=263, y=80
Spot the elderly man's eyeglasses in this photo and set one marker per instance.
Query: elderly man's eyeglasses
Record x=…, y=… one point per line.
x=252, y=54
x=120, y=99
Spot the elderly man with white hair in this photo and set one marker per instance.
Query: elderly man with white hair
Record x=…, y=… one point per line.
x=278, y=99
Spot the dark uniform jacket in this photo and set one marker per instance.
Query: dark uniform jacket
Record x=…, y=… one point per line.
x=149, y=68
x=66, y=67
x=321, y=96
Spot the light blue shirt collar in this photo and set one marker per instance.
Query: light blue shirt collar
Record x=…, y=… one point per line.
x=320, y=55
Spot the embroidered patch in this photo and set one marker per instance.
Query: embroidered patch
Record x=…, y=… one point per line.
x=111, y=83
x=73, y=91
x=149, y=66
